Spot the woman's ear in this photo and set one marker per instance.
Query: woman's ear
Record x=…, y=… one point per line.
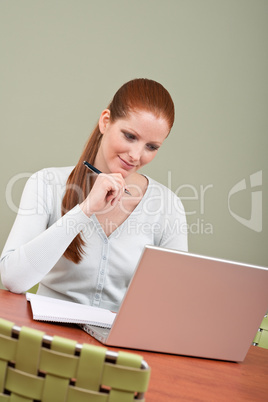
x=104, y=120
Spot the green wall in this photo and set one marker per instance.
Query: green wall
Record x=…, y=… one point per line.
x=62, y=61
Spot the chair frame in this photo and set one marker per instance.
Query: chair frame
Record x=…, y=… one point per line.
x=110, y=359
x=111, y=356
x=261, y=338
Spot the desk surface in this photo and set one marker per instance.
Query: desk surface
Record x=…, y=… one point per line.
x=173, y=378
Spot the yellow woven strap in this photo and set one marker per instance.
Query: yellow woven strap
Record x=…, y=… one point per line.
x=125, y=377
x=65, y=376
x=80, y=395
x=59, y=360
x=6, y=327
x=10, y=351
x=63, y=345
x=7, y=353
x=263, y=334
x=21, y=383
x=90, y=367
x=257, y=337
x=121, y=377
x=24, y=352
x=7, y=344
x=55, y=389
x=29, y=349
x=7, y=349
x=263, y=342
x=13, y=398
x=129, y=359
x=60, y=365
x=264, y=323
x=261, y=338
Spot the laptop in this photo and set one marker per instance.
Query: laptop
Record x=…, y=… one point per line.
x=186, y=304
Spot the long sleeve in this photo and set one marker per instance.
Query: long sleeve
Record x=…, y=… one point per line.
x=34, y=246
x=34, y=250
x=175, y=233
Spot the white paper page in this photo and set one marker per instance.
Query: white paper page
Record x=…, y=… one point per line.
x=50, y=309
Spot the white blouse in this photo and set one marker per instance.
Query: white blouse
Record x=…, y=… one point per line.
x=40, y=235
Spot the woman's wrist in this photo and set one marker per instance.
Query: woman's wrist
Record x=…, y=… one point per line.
x=85, y=208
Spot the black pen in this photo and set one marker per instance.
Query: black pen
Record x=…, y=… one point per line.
x=97, y=171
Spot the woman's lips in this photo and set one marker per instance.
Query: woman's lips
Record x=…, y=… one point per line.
x=125, y=164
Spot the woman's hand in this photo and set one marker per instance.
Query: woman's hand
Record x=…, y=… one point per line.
x=106, y=192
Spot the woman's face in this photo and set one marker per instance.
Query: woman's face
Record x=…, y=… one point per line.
x=129, y=143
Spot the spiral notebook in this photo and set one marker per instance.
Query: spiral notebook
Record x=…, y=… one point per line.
x=56, y=310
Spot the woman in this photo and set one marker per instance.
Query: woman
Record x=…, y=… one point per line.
x=80, y=235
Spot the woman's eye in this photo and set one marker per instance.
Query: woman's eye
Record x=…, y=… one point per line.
x=152, y=147
x=129, y=136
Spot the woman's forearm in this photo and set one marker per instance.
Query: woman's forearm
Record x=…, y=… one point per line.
x=24, y=266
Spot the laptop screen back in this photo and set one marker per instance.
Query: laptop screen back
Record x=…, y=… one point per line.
x=191, y=305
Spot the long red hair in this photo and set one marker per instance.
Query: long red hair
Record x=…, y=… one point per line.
x=138, y=94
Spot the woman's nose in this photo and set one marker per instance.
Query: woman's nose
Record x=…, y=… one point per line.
x=135, y=152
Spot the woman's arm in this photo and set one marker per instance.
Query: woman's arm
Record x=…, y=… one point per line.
x=175, y=234
x=33, y=248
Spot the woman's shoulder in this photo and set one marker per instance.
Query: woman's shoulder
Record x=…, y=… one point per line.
x=53, y=175
x=162, y=197
x=155, y=187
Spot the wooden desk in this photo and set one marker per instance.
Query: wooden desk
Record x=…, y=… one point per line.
x=173, y=378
